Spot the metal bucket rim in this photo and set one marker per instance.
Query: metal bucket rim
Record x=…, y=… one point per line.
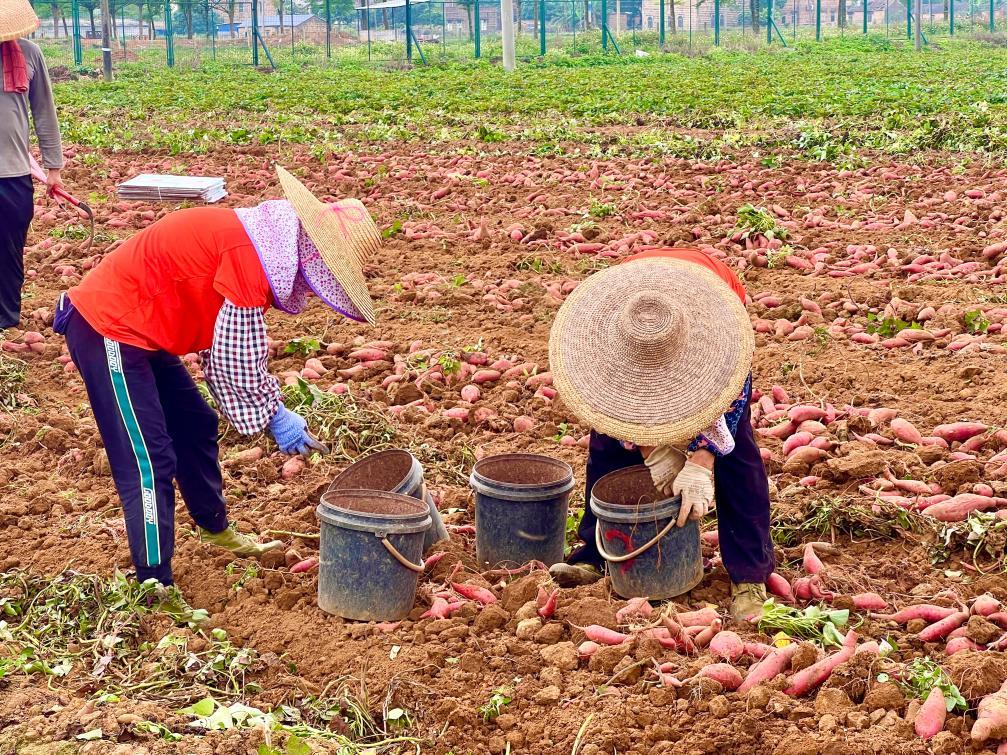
x=380, y=524
x=522, y=491
x=415, y=470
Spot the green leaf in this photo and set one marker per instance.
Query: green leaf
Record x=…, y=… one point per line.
x=297, y=746
x=89, y=736
x=202, y=709
x=265, y=749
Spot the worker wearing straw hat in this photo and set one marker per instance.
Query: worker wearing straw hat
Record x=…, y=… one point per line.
x=26, y=95
x=199, y=280
x=655, y=355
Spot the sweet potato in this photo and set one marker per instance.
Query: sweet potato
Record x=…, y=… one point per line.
x=758, y=650
x=812, y=564
x=958, y=644
x=677, y=633
x=795, y=441
x=701, y=618
x=925, y=611
x=991, y=717
x=906, y=432
x=930, y=717
x=869, y=601
x=959, y=431
x=304, y=566
x=546, y=602
x=808, y=679
x=729, y=677
x=780, y=587
x=474, y=592
x=587, y=648
x=603, y=635
x=634, y=607
x=941, y=629
x=706, y=634
x=771, y=665
x=804, y=412
x=985, y=605
x=727, y=645
x=957, y=509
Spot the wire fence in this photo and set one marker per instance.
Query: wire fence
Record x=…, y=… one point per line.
x=341, y=32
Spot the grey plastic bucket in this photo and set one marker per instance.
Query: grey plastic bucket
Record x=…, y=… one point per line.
x=395, y=471
x=634, y=518
x=371, y=553
x=521, y=504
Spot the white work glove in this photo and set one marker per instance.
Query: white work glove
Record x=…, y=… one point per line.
x=695, y=484
x=664, y=463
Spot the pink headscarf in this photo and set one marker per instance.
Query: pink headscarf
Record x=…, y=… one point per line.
x=292, y=263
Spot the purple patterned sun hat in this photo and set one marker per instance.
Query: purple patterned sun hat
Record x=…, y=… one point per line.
x=293, y=265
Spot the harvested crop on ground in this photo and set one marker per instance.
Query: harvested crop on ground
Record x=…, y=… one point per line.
x=874, y=258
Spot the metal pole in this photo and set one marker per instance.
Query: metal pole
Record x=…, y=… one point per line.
x=992, y=19
x=409, y=31
x=919, y=25
x=865, y=16
x=122, y=25
x=951, y=7
x=769, y=22
x=78, y=51
x=660, y=27
x=604, y=25
x=255, y=33
x=328, y=29
x=106, y=46
x=507, y=22
x=716, y=22
x=169, y=36
x=818, y=20
x=541, y=28
x=909, y=19
x=478, y=30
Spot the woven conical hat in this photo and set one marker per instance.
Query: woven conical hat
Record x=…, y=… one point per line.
x=17, y=19
x=652, y=351
x=344, y=234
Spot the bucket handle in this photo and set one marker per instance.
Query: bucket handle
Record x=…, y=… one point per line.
x=632, y=554
x=418, y=568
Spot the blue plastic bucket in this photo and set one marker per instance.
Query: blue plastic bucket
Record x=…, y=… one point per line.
x=521, y=504
x=395, y=471
x=634, y=518
x=371, y=553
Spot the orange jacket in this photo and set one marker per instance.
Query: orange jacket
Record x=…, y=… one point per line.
x=162, y=289
x=700, y=258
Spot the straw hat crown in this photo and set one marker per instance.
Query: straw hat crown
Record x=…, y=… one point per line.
x=17, y=19
x=652, y=352
x=344, y=234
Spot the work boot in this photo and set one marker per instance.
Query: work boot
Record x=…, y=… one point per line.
x=238, y=543
x=574, y=575
x=169, y=601
x=747, y=599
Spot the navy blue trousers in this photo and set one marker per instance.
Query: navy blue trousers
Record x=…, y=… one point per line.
x=17, y=207
x=157, y=430
x=742, y=492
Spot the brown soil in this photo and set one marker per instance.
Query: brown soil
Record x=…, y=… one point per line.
x=436, y=283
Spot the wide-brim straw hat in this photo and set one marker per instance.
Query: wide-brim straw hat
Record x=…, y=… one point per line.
x=343, y=233
x=652, y=352
x=17, y=19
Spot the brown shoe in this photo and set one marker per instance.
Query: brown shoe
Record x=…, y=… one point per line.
x=747, y=600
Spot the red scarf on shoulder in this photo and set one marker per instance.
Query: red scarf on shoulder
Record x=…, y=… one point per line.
x=15, y=70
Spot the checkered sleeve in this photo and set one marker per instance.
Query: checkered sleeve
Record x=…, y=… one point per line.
x=235, y=369
x=718, y=439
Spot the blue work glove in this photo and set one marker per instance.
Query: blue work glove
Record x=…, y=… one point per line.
x=291, y=433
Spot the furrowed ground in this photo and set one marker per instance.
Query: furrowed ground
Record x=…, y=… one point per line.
x=878, y=172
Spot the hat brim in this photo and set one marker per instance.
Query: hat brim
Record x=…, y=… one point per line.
x=343, y=233
x=630, y=395
x=17, y=21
